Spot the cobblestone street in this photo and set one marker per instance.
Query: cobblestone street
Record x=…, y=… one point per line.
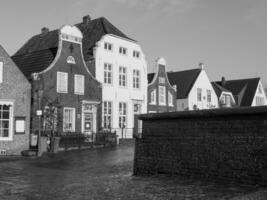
x=100, y=174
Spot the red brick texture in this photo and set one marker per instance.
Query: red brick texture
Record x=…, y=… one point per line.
x=226, y=144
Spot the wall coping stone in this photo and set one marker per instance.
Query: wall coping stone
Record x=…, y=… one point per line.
x=222, y=112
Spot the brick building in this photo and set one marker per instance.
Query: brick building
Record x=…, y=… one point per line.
x=161, y=94
x=15, y=99
x=53, y=62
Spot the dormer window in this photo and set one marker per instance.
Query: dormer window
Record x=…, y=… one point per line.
x=108, y=46
x=136, y=54
x=123, y=50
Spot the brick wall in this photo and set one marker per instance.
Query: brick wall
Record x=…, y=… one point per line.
x=17, y=89
x=226, y=144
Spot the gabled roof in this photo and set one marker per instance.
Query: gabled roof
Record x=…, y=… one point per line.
x=184, y=81
x=244, y=88
x=219, y=89
x=39, y=51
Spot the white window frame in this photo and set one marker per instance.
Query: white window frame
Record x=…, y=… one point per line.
x=136, y=54
x=10, y=128
x=122, y=114
x=108, y=46
x=122, y=74
x=73, y=119
x=62, y=78
x=136, y=79
x=107, y=110
x=79, y=84
x=170, y=99
x=162, y=80
x=123, y=50
x=162, y=95
x=153, y=97
x=209, y=96
x=107, y=72
x=199, y=94
x=1, y=71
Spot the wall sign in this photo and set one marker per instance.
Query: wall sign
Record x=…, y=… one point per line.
x=20, y=125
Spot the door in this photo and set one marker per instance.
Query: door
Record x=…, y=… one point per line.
x=88, y=123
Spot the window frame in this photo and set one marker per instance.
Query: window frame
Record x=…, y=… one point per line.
x=136, y=79
x=107, y=115
x=208, y=96
x=123, y=51
x=121, y=75
x=122, y=116
x=136, y=54
x=11, y=114
x=59, y=82
x=170, y=99
x=107, y=71
x=163, y=95
x=73, y=119
x=199, y=94
x=77, y=86
x=153, y=94
x=108, y=46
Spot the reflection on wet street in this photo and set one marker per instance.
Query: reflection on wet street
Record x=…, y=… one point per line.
x=99, y=174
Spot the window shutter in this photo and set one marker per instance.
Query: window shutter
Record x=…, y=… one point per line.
x=79, y=84
x=62, y=82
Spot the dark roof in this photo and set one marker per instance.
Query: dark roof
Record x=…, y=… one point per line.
x=39, y=51
x=150, y=77
x=219, y=89
x=245, y=87
x=184, y=81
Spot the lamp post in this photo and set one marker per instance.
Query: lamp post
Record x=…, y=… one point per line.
x=39, y=114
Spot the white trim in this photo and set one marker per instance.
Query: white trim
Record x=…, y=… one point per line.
x=1, y=71
x=77, y=86
x=11, y=118
x=59, y=90
x=73, y=119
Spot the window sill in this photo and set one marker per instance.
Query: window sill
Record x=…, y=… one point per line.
x=6, y=139
x=62, y=92
x=79, y=93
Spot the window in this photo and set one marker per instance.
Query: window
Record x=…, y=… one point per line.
x=260, y=90
x=136, y=79
x=62, y=82
x=123, y=50
x=223, y=100
x=199, y=94
x=162, y=80
x=69, y=120
x=107, y=114
x=228, y=100
x=107, y=73
x=71, y=60
x=122, y=76
x=108, y=46
x=209, y=96
x=122, y=114
x=6, y=115
x=1, y=72
x=162, y=95
x=153, y=97
x=136, y=54
x=170, y=99
x=78, y=84
x=260, y=101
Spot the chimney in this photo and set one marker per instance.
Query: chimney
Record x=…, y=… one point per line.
x=86, y=19
x=44, y=30
x=201, y=65
x=223, y=81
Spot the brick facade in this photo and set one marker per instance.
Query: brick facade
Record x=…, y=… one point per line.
x=154, y=86
x=225, y=144
x=15, y=88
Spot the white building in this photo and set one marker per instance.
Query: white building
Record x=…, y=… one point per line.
x=194, y=90
x=118, y=62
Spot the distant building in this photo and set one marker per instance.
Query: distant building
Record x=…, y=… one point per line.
x=15, y=100
x=194, y=90
x=119, y=63
x=161, y=94
x=246, y=92
x=63, y=87
x=225, y=97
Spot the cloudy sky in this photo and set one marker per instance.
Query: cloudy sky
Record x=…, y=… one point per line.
x=228, y=36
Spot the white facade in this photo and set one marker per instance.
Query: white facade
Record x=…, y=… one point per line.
x=259, y=97
x=110, y=50
x=193, y=102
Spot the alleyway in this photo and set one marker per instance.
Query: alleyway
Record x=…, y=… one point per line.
x=99, y=174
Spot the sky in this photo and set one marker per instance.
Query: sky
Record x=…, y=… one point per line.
x=228, y=36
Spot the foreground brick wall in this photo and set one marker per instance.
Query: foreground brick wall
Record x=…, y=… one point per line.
x=226, y=144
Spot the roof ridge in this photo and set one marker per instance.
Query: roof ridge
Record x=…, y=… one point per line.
x=196, y=69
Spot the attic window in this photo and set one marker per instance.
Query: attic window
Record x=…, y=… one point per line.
x=71, y=60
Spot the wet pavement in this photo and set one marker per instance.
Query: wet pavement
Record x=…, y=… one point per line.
x=100, y=174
